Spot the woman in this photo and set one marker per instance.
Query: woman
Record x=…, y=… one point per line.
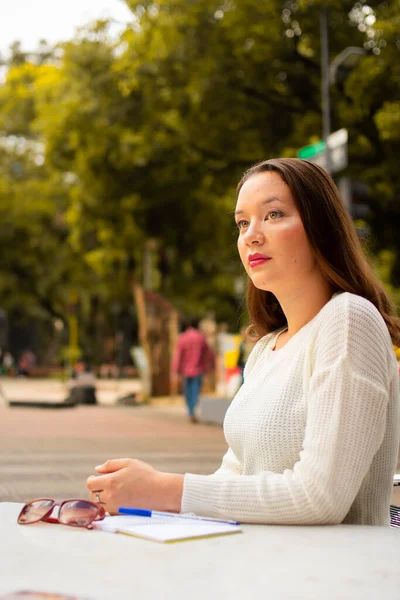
x=313, y=432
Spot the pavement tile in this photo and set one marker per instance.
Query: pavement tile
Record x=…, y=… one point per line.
x=51, y=452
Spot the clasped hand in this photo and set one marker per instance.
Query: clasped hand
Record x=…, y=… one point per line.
x=131, y=482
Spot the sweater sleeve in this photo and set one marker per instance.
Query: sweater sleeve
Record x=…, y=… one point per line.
x=230, y=464
x=347, y=402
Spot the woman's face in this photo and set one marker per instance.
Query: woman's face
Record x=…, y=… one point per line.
x=273, y=244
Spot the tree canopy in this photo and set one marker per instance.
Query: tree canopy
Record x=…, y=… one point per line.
x=115, y=148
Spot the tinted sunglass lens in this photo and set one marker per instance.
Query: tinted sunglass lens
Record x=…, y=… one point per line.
x=34, y=511
x=77, y=512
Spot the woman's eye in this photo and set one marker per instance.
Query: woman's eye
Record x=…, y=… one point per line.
x=242, y=224
x=273, y=215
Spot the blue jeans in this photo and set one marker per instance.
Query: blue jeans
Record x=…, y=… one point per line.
x=191, y=389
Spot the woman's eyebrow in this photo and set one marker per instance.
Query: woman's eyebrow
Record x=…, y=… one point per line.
x=266, y=201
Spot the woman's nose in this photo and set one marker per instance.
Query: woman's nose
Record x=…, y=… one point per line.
x=253, y=234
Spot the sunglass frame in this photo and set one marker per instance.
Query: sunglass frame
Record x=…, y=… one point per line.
x=101, y=513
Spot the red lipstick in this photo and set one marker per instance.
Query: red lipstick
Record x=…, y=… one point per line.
x=258, y=259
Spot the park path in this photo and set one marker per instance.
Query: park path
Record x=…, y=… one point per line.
x=51, y=452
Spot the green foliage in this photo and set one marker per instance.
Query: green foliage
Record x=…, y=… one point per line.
x=111, y=143
x=383, y=264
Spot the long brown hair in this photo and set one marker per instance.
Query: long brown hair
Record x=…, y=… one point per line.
x=333, y=238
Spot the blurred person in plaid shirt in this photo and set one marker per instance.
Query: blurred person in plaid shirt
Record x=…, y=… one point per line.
x=193, y=358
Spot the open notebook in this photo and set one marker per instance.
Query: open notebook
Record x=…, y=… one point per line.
x=164, y=529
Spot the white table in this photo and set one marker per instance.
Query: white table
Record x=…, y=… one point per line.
x=276, y=563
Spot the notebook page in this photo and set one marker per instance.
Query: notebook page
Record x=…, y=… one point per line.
x=164, y=529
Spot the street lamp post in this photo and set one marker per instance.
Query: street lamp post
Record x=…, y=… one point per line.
x=325, y=97
x=344, y=63
x=330, y=74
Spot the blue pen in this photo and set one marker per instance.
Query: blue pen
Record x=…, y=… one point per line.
x=142, y=512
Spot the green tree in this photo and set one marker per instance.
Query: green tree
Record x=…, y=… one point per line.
x=145, y=137
x=39, y=268
x=370, y=109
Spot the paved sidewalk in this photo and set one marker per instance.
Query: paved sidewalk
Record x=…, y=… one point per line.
x=51, y=452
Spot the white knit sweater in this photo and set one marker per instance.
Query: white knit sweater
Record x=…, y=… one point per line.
x=313, y=432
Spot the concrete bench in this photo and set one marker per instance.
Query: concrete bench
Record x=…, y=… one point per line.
x=212, y=409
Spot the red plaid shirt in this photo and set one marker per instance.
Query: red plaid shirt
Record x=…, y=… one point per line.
x=193, y=356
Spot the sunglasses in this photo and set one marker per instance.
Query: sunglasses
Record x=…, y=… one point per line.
x=76, y=513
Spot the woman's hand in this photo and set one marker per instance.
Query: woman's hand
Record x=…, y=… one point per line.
x=131, y=482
